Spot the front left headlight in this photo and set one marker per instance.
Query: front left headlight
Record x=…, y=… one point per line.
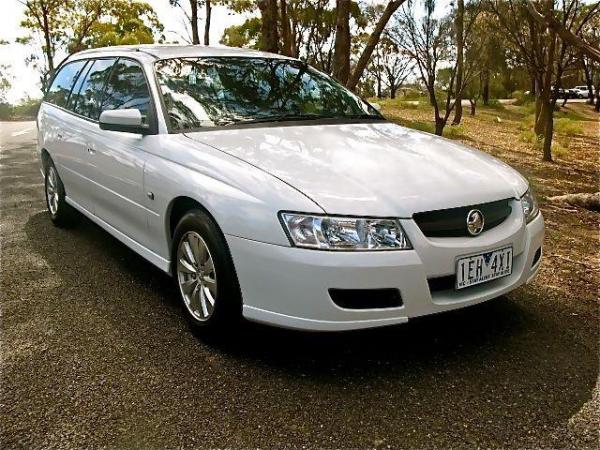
x=344, y=233
x=530, y=206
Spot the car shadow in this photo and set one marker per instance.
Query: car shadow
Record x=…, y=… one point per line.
x=506, y=350
x=462, y=331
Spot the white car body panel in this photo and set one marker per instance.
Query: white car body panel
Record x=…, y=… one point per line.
x=371, y=169
x=243, y=177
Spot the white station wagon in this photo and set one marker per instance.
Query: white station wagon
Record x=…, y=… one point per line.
x=270, y=191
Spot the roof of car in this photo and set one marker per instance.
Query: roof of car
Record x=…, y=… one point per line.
x=166, y=51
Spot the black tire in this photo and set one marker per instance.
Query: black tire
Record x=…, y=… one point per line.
x=227, y=310
x=61, y=213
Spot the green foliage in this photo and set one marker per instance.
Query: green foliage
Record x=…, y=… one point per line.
x=567, y=127
x=454, y=132
x=244, y=35
x=559, y=150
x=522, y=99
x=25, y=110
x=74, y=25
x=428, y=127
x=123, y=22
x=5, y=81
x=530, y=137
x=493, y=103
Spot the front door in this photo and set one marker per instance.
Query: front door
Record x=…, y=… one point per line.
x=119, y=157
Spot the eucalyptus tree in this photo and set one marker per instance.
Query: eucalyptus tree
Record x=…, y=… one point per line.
x=63, y=27
x=547, y=40
x=427, y=37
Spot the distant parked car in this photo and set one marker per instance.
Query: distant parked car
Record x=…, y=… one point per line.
x=582, y=91
x=563, y=93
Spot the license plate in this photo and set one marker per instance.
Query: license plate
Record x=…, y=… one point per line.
x=488, y=266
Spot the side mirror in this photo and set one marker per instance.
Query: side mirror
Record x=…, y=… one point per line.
x=127, y=120
x=377, y=106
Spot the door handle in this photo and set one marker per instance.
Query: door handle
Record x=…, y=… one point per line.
x=59, y=136
x=91, y=151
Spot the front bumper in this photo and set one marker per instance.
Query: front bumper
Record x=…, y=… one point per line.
x=289, y=286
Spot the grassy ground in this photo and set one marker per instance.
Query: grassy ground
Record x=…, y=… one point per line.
x=571, y=270
x=570, y=274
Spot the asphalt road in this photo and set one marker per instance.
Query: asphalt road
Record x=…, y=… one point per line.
x=95, y=353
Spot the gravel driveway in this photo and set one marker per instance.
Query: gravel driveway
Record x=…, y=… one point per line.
x=95, y=353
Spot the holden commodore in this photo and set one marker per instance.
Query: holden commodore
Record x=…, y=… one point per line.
x=271, y=192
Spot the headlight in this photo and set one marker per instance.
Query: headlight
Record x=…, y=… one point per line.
x=530, y=206
x=344, y=233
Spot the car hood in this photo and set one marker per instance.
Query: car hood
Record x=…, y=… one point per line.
x=376, y=168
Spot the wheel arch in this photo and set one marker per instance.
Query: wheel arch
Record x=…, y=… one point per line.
x=179, y=207
x=45, y=158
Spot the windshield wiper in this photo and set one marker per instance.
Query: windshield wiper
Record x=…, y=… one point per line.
x=293, y=117
x=283, y=118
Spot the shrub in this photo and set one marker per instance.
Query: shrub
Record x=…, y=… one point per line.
x=454, y=131
x=409, y=105
x=421, y=126
x=559, y=150
x=521, y=98
x=568, y=127
x=495, y=104
x=530, y=137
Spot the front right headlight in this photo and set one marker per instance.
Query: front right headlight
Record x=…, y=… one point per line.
x=344, y=233
x=530, y=206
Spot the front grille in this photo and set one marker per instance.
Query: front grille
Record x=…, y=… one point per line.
x=452, y=222
x=366, y=298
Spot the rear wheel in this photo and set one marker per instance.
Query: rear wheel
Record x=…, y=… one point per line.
x=61, y=213
x=204, y=274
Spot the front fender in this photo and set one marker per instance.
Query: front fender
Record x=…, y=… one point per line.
x=243, y=199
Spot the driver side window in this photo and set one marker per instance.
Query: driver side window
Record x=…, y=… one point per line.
x=127, y=88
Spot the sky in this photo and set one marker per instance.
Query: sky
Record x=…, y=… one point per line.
x=25, y=80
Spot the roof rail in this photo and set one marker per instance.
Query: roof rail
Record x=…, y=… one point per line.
x=116, y=48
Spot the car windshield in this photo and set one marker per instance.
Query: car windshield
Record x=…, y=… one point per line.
x=217, y=91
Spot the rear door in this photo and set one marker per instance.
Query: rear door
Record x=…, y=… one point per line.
x=84, y=104
x=119, y=157
x=60, y=136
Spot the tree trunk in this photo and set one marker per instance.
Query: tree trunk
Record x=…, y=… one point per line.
x=194, y=21
x=473, y=106
x=597, y=108
x=365, y=56
x=440, y=123
x=341, y=60
x=486, y=87
x=588, y=81
x=392, y=91
x=379, y=87
x=547, y=106
x=458, y=25
x=549, y=128
x=208, y=10
x=286, y=33
x=582, y=200
x=269, y=41
x=48, y=43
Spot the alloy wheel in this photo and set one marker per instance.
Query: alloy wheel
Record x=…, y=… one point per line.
x=52, y=190
x=196, y=276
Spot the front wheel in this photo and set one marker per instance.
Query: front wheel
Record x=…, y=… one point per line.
x=61, y=213
x=204, y=274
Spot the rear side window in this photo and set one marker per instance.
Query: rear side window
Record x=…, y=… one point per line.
x=64, y=80
x=86, y=101
x=127, y=88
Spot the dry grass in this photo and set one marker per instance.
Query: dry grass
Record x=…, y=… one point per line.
x=570, y=272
